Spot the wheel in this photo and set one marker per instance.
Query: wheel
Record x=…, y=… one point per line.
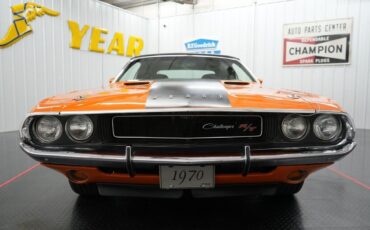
x=288, y=189
x=84, y=189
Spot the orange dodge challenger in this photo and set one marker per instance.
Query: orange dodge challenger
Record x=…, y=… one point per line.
x=171, y=124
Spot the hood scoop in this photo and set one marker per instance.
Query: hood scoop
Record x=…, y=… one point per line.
x=241, y=83
x=136, y=83
x=79, y=98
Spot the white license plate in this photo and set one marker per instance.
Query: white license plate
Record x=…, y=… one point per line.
x=179, y=177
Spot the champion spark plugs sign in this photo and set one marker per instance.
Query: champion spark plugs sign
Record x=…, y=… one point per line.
x=317, y=43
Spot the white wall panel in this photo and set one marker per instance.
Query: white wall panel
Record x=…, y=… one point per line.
x=260, y=47
x=228, y=27
x=42, y=64
x=174, y=42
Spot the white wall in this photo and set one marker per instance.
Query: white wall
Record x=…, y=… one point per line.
x=260, y=46
x=42, y=64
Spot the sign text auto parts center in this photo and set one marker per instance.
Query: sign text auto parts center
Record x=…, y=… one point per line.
x=317, y=43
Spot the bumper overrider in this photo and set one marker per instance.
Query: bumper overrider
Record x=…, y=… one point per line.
x=246, y=157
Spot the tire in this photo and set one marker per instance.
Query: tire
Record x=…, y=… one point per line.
x=87, y=190
x=289, y=189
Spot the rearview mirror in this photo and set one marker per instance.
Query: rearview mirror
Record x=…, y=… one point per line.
x=260, y=81
x=111, y=80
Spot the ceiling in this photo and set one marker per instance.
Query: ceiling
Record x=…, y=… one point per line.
x=134, y=3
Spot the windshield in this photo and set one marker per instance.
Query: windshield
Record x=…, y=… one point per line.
x=185, y=68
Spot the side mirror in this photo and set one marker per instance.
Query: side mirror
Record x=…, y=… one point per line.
x=260, y=81
x=111, y=80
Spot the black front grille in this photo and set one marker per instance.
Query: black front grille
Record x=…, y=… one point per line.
x=187, y=126
x=172, y=124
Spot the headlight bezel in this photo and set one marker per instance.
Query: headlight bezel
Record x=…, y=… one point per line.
x=71, y=136
x=301, y=137
x=25, y=131
x=37, y=135
x=336, y=135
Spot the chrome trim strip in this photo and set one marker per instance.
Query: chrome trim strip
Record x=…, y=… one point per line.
x=43, y=113
x=162, y=110
x=165, y=110
x=193, y=115
x=186, y=138
x=94, y=159
x=185, y=55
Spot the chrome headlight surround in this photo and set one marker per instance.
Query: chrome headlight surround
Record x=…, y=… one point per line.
x=327, y=127
x=79, y=128
x=295, y=127
x=47, y=129
x=350, y=127
x=25, y=130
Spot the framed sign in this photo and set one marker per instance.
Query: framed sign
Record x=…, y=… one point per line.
x=317, y=43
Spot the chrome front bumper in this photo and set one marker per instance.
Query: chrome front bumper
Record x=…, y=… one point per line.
x=129, y=159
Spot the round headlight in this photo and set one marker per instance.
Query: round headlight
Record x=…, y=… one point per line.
x=79, y=128
x=327, y=127
x=48, y=129
x=294, y=127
